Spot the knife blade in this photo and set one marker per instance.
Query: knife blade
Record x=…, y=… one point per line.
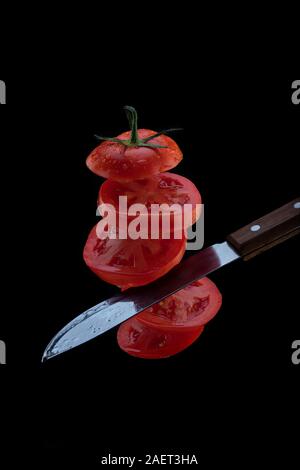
x=245, y=243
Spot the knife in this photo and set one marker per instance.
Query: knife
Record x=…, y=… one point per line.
x=249, y=241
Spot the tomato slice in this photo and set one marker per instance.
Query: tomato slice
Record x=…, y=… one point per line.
x=126, y=163
x=173, y=324
x=148, y=342
x=165, y=188
x=129, y=263
x=193, y=306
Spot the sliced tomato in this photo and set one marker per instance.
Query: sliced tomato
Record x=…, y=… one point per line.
x=193, y=306
x=129, y=263
x=165, y=188
x=148, y=342
x=173, y=324
x=122, y=162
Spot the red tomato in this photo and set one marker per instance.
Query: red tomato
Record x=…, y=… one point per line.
x=147, y=342
x=173, y=324
x=191, y=307
x=164, y=188
x=135, y=154
x=129, y=263
x=123, y=163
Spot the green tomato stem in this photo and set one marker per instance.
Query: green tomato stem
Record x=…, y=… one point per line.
x=132, y=119
x=134, y=140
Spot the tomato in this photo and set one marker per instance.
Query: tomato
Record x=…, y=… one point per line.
x=128, y=263
x=148, y=342
x=165, y=188
x=135, y=165
x=193, y=306
x=124, y=163
x=134, y=154
x=173, y=324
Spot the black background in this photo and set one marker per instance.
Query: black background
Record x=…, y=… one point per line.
x=233, y=394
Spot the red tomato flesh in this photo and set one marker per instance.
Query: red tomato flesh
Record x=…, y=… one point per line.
x=173, y=324
x=165, y=188
x=193, y=306
x=118, y=162
x=129, y=263
x=147, y=342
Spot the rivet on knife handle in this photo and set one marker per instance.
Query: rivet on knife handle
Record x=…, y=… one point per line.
x=270, y=230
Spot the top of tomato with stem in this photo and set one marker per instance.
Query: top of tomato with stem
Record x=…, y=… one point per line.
x=135, y=154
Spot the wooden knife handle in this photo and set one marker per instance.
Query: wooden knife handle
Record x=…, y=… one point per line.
x=270, y=230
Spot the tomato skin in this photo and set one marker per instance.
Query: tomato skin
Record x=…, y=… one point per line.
x=148, y=342
x=131, y=263
x=164, y=188
x=123, y=163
